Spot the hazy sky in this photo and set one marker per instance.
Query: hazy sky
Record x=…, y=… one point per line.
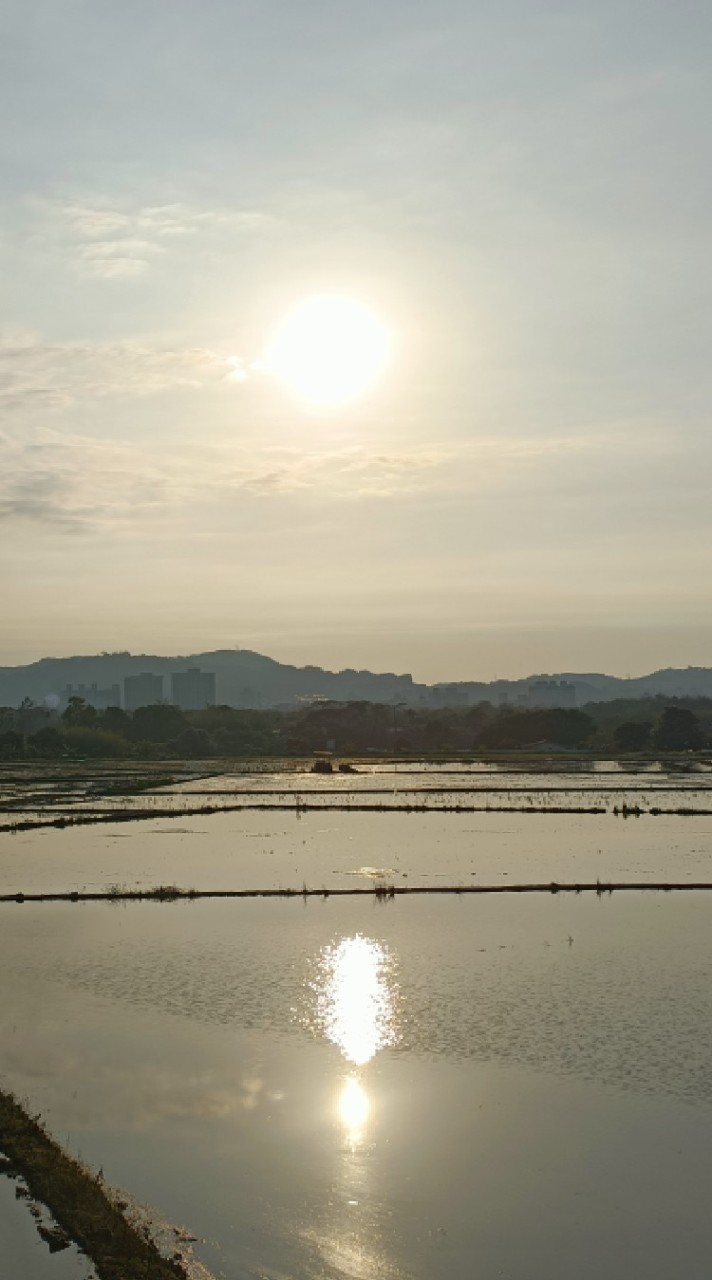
x=520, y=190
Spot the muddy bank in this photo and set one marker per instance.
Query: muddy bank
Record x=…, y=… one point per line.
x=80, y=1205
x=379, y=892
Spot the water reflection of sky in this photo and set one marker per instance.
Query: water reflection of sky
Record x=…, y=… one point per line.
x=538, y=1084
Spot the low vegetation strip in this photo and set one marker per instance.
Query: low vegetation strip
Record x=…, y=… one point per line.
x=172, y=893
x=79, y=1203
x=297, y=804
x=161, y=732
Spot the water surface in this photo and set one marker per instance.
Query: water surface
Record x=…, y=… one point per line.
x=345, y=1089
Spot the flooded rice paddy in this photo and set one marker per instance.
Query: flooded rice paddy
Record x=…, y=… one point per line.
x=377, y=1090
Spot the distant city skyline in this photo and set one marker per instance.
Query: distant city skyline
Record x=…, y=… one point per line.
x=243, y=677
x=492, y=654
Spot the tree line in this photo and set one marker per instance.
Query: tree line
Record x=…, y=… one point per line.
x=352, y=729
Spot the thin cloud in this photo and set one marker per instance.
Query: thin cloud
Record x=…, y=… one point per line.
x=36, y=375
x=80, y=483
x=106, y=241
x=125, y=256
x=75, y=483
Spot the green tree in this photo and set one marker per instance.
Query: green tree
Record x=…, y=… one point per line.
x=47, y=742
x=193, y=744
x=678, y=730
x=563, y=726
x=116, y=720
x=79, y=712
x=632, y=735
x=161, y=722
x=84, y=741
x=12, y=745
x=436, y=732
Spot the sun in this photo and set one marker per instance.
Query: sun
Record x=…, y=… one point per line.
x=329, y=350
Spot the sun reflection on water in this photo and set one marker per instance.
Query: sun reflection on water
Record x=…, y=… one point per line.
x=356, y=998
x=353, y=1106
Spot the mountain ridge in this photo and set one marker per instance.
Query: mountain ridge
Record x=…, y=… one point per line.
x=246, y=678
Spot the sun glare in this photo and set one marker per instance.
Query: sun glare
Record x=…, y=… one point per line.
x=329, y=350
x=355, y=999
x=353, y=1106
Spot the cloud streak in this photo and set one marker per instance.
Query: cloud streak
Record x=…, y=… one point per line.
x=36, y=374
x=79, y=484
x=54, y=475
x=108, y=241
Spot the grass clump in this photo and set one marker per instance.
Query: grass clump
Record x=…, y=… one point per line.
x=167, y=893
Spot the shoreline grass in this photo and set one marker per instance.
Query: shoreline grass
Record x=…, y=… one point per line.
x=79, y=1203
x=173, y=893
x=299, y=805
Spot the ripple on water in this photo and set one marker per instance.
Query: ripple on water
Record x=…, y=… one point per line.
x=476, y=980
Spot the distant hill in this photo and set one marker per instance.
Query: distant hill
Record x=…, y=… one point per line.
x=244, y=678
x=592, y=686
x=248, y=679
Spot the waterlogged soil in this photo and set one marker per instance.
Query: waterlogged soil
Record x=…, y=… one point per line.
x=363, y=1089
x=70, y=795
x=539, y=837
x=348, y=1089
x=327, y=851
x=24, y=1255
